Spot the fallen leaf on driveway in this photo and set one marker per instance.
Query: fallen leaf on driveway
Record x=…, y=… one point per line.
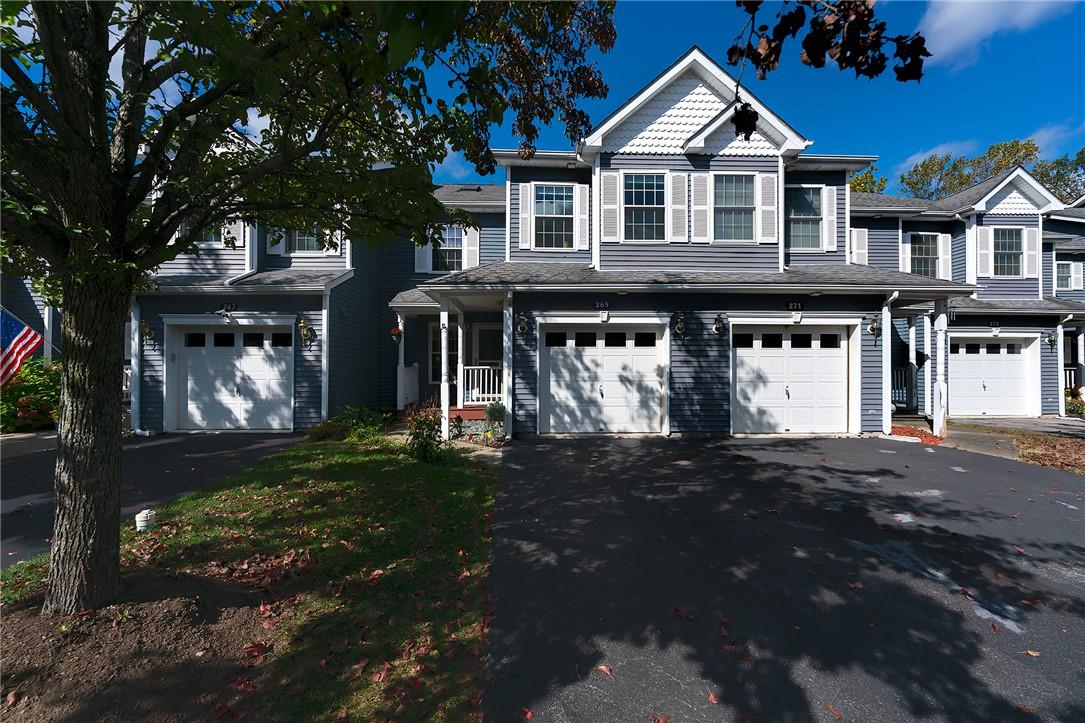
x=243, y=684
x=10, y=699
x=1033, y=653
x=680, y=613
x=834, y=712
x=605, y=670
x=1015, y=515
x=659, y=719
x=855, y=585
x=1018, y=549
x=224, y=711
x=994, y=627
x=742, y=717
x=1026, y=708
x=528, y=714
x=713, y=699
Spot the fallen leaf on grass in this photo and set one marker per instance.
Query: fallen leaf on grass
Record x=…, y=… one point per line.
x=659, y=719
x=224, y=712
x=243, y=684
x=995, y=628
x=605, y=670
x=834, y=712
x=10, y=699
x=1033, y=653
x=381, y=675
x=1025, y=708
x=680, y=613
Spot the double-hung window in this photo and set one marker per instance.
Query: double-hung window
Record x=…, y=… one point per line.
x=732, y=208
x=435, y=353
x=645, y=206
x=553, y=216
x=924, y=254
x=1007, y=251
x=803, y=209
x=1063, y=276
x=209, y=236
x=449, y=257
x=304, y=242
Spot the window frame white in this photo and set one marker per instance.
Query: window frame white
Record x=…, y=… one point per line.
x=785, y=233
x=712, y=208
x=453, y=356
x=912, y=235
x=1069, y=275
x=1021, y=253
x=666, y=205
x=572, y=185
x=433, y=250
x=291, y=239
x=475, y=360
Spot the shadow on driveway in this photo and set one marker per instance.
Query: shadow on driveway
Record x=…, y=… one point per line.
x=154, y=470
x=783, y=577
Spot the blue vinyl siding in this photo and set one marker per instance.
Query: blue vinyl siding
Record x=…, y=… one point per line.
x=1074, y=295
x=1047, y=269
x=700, y=361
x=310, y=262
x=491, y=237
x=837, y=180
x=995, y=288
x=354, y=337
x=883, y=241
x=307, y=367
x=959, y=257
x=519, y=175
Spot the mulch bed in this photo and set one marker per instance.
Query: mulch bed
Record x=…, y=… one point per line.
x=179, y=648
x=922, y=435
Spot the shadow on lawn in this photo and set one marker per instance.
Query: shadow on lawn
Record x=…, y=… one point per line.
x=614, y=537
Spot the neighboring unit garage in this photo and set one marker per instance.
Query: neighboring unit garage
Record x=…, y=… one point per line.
x=602, y=378
x=235, y=378
x=790, y=380
x=995, y=376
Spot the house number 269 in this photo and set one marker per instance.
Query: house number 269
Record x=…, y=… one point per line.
x=602, y=305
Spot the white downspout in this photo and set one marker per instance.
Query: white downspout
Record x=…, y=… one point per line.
x=887, y=363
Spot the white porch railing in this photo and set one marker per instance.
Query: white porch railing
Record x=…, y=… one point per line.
x=903, y=394
x=1069, y=377
x=481, y=385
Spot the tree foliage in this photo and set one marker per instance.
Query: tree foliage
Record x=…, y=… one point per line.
x=1064, y=176
x=845, y=32
x=868, y=181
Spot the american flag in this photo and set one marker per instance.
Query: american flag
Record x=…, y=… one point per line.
x=19, y=342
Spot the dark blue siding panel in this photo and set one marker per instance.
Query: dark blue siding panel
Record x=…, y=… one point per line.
x=871, y=371
x=992, y=288
x=839, y=181
x=883, y=241
x=491, y=241
x=520, y=174
x=355, y=333
x=1079, y=294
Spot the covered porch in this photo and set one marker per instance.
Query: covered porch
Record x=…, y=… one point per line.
x=454, y=351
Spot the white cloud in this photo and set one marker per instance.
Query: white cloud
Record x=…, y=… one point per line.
x=956, y=29
x=1053, y=139
x=454, y=167
x=256, y=124
x=954, y=148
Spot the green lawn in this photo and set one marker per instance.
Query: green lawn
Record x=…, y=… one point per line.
x=378, y=565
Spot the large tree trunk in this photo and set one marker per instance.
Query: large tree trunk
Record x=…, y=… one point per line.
x=84, y=565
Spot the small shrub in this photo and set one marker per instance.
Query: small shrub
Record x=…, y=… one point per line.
x=495, y=415
x=1075, y=407
x=333, y=429
x=424, y=432
x=365, y=424
x=32, y=399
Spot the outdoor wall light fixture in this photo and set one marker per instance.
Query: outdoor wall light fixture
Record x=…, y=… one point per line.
x=875, y=328
x=307, y=333
x=680, y=323
x=148, y=335
x=1052, y=339
x=521, y=324
x=717, y=324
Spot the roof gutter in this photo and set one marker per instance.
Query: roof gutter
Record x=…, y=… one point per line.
x=961, y=290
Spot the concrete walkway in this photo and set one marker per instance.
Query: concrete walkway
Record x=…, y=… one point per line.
x=1061, y=426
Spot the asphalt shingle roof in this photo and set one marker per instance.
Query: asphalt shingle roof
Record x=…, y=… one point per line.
x=866, y=201
x=506, y=273
x=1070, y=213
x=272, y=278
x=471, y=196
x=971, y=195
x=1049, y=304
x=412, y=297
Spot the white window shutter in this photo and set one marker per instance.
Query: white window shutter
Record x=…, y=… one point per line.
x=423, y=258
x=276, y=241
x=580, y=210
x=859, y=239
x=526, y=202
x=1032, y=253
x=610, y=195
x=699, y=197
x=828, y=214
x=470, y=248
x=906, y=253
x=983, y=252
x=679, y=208
x=945, y=257
x=767, y=204
x=1076, y=272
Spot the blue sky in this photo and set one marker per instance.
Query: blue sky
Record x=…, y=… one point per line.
x=1001, y=70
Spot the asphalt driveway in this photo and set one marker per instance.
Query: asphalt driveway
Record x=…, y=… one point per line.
x=153, y=471
x=790, y=580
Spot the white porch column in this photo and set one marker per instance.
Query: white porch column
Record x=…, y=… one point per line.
x=913, y=368
x=401, y=367
x=927, y=364
x=1061, y=349
x=940, y=389
x=506, y=366
x=1081, y=356
x=444, y=369
x=460, y=354
x=887, y=369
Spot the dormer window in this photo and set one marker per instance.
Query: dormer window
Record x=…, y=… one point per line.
x=1008, y=251
x=449, y=257
x=924, y=254
x=554, y=216
x=304, y=242
x=733, y=208
x=803, y=210
x=645, y=207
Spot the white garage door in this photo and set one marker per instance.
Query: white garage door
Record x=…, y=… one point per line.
x=236, y=378
x=987, y=377
x=790, y=380
x=601, y=379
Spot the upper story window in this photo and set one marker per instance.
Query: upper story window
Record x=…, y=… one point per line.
x=1062, y=275
x=803, y=210
x=553, y=216
x=210, y=236
x=733, y=208
x=449, y=257
x=304, y=242
x=924, y=254
x=1008, y=251
x=645, y=207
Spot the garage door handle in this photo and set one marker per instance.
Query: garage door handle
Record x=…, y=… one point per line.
x=787, y=391
x=984, y=386
x=600, y=390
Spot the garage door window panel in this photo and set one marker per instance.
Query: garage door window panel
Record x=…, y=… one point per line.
x=614, y=339
x=282, y=339
x=556, y=339
x=195, y=339
x=224, y=339
x=644, y=339
x=252, y=339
